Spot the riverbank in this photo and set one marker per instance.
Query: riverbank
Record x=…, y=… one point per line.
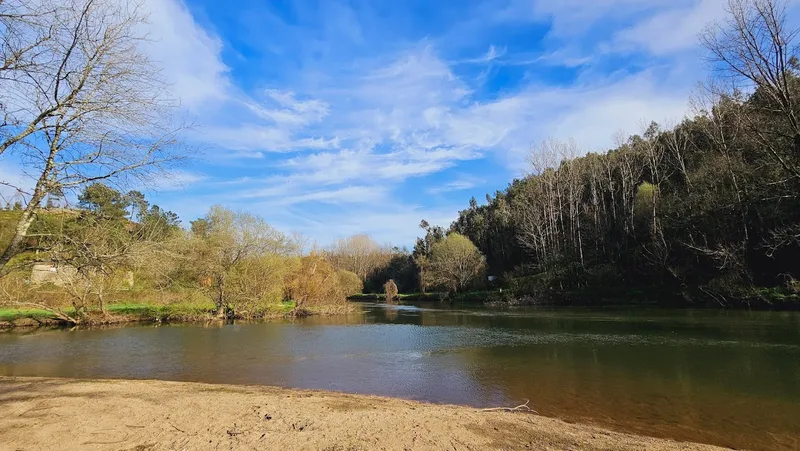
x=762, y=299
x=39, y=413
x=154, y=313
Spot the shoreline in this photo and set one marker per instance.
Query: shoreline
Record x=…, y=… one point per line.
x=163, y=314
x=502, y=299
x=48, y=413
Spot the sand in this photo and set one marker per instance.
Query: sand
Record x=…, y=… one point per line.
x=47, y=413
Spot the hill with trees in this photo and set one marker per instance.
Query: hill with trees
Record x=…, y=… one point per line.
x=705, y=211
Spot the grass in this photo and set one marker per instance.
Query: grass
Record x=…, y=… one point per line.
x=143, y=311
x=121, y=312
x=12, y=314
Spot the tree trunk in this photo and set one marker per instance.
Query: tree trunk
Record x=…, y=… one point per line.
x=20, y=232
x=220, y=313
x=29, y=214
x=100, y=300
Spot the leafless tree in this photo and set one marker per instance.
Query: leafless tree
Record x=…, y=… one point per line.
x=24, y=31
x=92, y=263
x=359, y=254
x=553, y=212
x=755, y=49
x=677, y=141
x=84, y=103
x=724, y=126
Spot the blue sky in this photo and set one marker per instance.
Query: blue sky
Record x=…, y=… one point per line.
x=336, y=117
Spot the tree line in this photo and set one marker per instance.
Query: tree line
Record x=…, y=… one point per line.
x=706, y=210
x=117, y=247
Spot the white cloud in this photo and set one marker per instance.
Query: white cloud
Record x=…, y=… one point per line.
x=463, y=182
x=190, y=57
x=571, y=18
x=176, y=180
x=349, y=133
x=337, y=196
x=670, y=30
x=398, y=224
x=292, y=113
x=255, y=138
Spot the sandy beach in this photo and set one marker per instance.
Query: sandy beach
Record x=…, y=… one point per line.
x=48, y=413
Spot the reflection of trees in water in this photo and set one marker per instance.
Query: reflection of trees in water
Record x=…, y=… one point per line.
x=690, y=376
x=682, y=392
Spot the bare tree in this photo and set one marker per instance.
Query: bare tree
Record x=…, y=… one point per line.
x=551, y=222
x=92, y=262
x=90, y=106
x=24, y=31
x=359, y=254
x=754, y=48
x=724, y=127
x=677, y=142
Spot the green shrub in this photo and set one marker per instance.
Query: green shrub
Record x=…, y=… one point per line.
x=350, y=283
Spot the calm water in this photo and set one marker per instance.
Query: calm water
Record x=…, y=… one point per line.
x=727, y=378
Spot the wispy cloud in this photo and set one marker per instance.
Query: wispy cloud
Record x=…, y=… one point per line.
x=463, y=182
x=176, y=180
x=334, y=106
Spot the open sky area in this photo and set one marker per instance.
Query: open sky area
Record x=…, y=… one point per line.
x=336, y=117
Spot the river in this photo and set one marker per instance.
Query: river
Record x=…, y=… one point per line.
x=728, y=378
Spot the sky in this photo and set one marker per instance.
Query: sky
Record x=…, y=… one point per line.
x=336, y=117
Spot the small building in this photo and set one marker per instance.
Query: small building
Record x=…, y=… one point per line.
x=58, y=275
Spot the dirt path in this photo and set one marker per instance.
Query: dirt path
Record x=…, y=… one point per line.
x=38, y=413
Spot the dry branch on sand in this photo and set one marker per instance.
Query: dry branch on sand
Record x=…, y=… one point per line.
x=520, y=408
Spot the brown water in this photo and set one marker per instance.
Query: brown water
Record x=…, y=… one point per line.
x=726, y=378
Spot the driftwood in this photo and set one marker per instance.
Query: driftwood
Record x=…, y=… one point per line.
x=520, y=408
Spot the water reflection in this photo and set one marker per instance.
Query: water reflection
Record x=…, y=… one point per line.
x=728, y=378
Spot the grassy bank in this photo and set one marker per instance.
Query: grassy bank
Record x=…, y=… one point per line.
x=180, y=312
x=758, y=299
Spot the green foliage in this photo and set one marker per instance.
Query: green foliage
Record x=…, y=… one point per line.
x=138, y=205
x=234, y=259
x=104, y=201
x=8, y=220
x=159, y=223
x=686, y=212
x=646, y=196
x=433, y=234
x=455, y=264
x=350, y=283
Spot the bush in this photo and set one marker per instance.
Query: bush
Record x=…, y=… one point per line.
x=256, y=284
x=312, y=281
x=390, y=288
x=349, y=282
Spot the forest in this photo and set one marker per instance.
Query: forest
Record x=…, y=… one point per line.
x=705, y=211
